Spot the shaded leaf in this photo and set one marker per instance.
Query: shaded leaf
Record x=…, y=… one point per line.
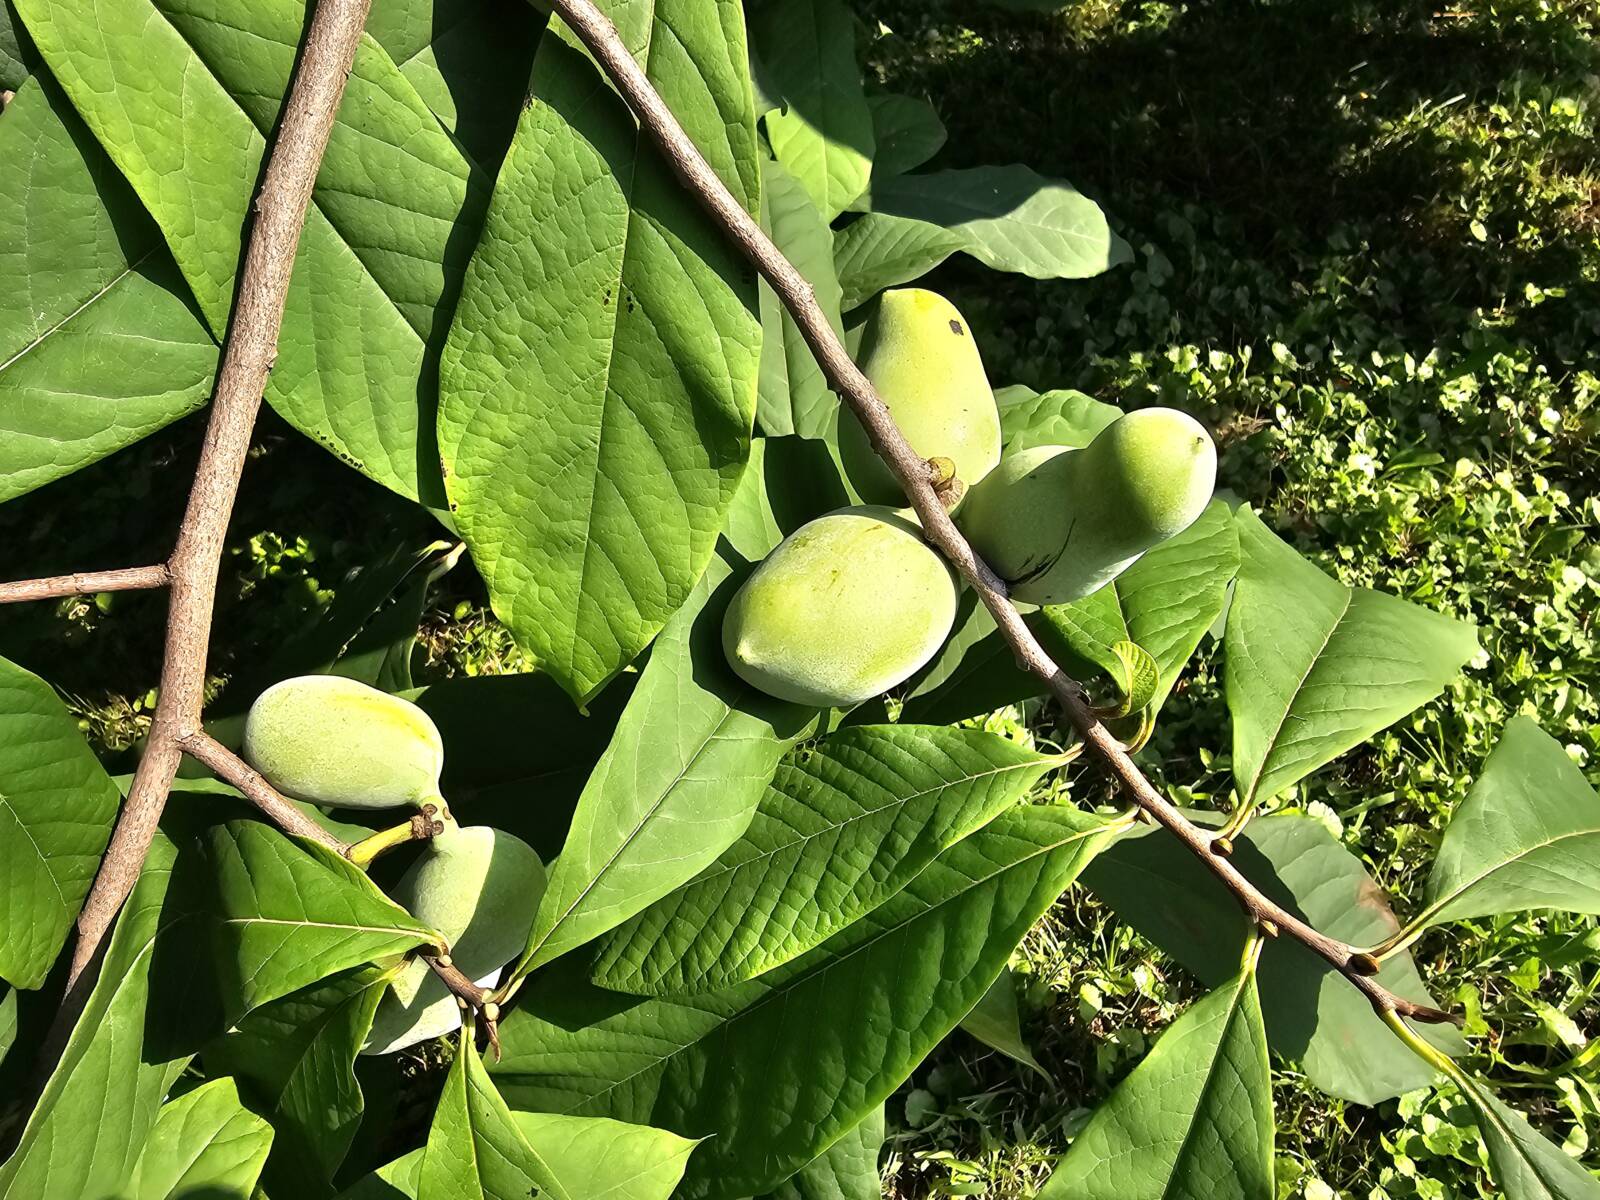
x=1194, y=1119
x=1314, y=1016
x=996, y=1023
x=291, y=913
x=791, y=480
x=17, y=55
x=1526, y=836
x=822, y=131
x=835, y=1031
x=1315, y=667
x=691, y=756
x=1527, y=1165
x=57, y=806
x=181, y=97
x=1008, y=218
x=99, y=344
x=906, y=133
x=205, y=1145
x=599, y=378
x=842, y=828
x=297, y=1056
x=877, y=251
x=793, y=395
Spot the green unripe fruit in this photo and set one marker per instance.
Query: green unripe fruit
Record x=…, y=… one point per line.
x=919, y=354
x=479, y=887
x=847, y=606
x=330, y=740
x=1058, y=524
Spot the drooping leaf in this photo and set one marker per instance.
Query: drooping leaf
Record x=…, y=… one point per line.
x=1526, y=836
x=476, y=1149
x=1056, y=418
x=1164, y=603
x=822, y=130
x=181, y=97
x=834, y=1031
x=846, y=1170
x=996, y=1023
x=151, y=1007
x=297, y=1057
x=842, y=828
x=1194, y=1119
x=1314, y=1016
x=1315, y=667
x=1008, y=218
x=1527, y=1165
x=205, y=1145
x=291, y=913
x=691, y=757
x=790, y=481
x=906, y=133
x=468, y=60
x=599, y=1159
x=57, y=806
x=99, y=344
x=793, y=395
x=878, y=250
x=599, y=378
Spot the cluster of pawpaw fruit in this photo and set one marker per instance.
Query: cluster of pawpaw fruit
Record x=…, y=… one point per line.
x=337, y=742
x=856, y=602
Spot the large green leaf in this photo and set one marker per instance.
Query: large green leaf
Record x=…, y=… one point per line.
x=181, y=93
x=1527, y=1165
x=596, y=1158
x=793, y=396
x=1193, y=1121
x=842, y=828
x=151, y=1007
x=846, y=1170
x=467, y=59
x=1165, y=602
x=476, y=1151
x=1315, y=667
x=290, y=913
x=1056, y=418
x=1526, y=836
x=1314, y=1016
x=691, y=757
x=98, y=343
x=1008, y=218
x=823, y=130
x=878, y=251
x=57, y=805
x=205, y=1145
x=781, y=1067
x=296, y=1056
x=599, y=379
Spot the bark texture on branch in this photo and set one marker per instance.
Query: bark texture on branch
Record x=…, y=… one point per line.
x=248, y=352
x=85, y=583
x=916, y=478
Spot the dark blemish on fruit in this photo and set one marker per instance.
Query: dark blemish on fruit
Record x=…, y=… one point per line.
x=955, y=328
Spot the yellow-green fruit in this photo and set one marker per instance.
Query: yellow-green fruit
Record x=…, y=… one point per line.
x=329, y=740
x=479, y=887
x=844, y=608
x=919, y=354
x=1057, y=524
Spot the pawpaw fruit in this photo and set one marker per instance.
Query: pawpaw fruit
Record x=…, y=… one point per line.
x=330, y=740
x=1058, y=524
x=477, y=886
x=844, y=608
x=920, y=356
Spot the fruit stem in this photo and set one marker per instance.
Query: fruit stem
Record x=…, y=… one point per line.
x=420, y=827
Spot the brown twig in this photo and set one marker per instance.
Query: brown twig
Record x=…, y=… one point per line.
x=230, y=768
x=917, y=479
x=85, y=583
x=248, y=353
